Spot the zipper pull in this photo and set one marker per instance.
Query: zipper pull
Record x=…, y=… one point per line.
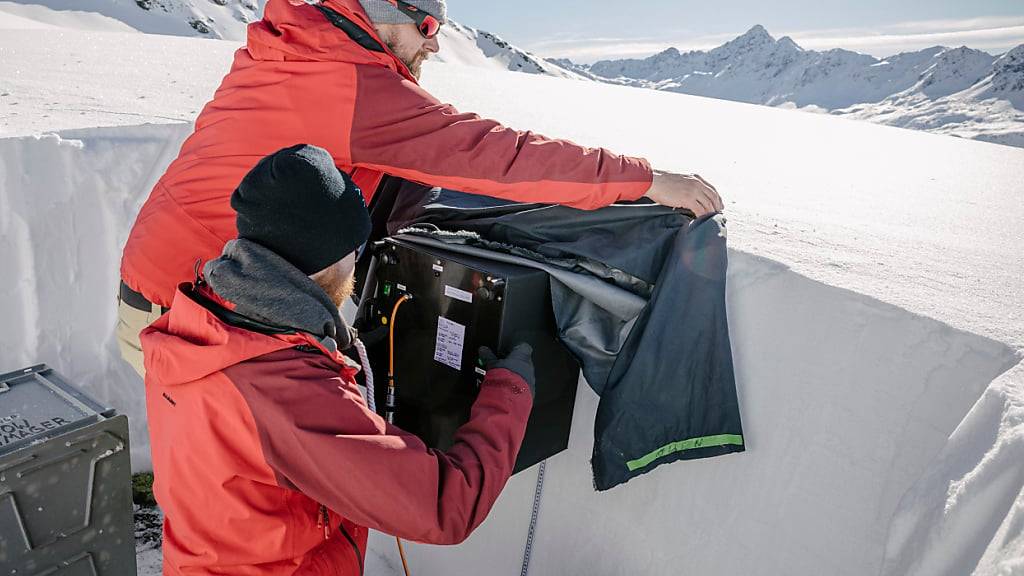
x=326, y=520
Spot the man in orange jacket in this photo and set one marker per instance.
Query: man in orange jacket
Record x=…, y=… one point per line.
x=342, y=75
x=267, y=460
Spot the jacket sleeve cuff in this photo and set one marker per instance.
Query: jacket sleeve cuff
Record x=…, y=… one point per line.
x=511, y=384
x=644, y=180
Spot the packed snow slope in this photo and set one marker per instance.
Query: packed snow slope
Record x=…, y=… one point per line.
x=874, y=295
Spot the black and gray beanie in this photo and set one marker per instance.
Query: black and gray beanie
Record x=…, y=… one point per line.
x=384, y=12
x=297, y=203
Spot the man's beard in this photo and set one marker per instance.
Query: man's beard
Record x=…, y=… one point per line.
x=342, y=291
x=337, y=288
x=415, y=64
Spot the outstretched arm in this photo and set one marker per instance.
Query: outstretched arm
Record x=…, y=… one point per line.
x=321, y=439
x=402, y=130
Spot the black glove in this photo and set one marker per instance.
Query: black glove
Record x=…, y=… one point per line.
x=519, y=360
x=370, y=332
x=373, y=337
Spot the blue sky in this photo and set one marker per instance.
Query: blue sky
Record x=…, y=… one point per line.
x=591, y=30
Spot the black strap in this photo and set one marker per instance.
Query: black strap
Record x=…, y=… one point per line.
x=137, y=300
x=354, y=31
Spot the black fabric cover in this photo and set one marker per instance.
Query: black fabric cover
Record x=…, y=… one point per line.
x=639, y=297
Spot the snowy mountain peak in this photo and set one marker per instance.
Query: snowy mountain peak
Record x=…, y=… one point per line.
x=757, y=33
x=1009, y=69
x=788, y=43
x=1007, y=78
x=756, y=38
x=952, y=70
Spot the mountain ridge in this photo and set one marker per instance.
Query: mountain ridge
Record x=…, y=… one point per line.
x=957, y=91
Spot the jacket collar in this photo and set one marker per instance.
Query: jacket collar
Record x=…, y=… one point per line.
x=302, y=33
x=266, y=288
x=190, y=342
x=252, y=303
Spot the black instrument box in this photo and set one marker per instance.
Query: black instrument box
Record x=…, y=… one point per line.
x=459, y=304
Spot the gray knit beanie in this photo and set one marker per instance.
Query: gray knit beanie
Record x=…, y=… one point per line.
x=383, y=12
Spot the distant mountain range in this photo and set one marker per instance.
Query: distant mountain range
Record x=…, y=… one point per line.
x=956, y=91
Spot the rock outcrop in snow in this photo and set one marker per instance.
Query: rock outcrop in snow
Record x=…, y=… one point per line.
x=466, y=45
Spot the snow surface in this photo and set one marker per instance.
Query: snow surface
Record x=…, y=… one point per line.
x=874, y=296
x=217, y=19
x=33, y=16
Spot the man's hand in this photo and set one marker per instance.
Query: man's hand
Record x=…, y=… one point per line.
x=519, y=360
x=688, y=191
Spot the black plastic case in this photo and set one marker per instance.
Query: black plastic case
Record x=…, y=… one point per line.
x=459, y=304
x=65, y=480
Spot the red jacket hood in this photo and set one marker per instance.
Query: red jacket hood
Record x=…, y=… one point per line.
x=290, y=32
x=189, y=343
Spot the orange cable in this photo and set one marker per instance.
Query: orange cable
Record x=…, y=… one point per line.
x=401, y=552
x=391, y=392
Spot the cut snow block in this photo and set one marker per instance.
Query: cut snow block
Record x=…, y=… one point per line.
x=65, y=480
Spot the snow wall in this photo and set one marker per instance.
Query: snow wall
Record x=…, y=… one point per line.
x=879, y=441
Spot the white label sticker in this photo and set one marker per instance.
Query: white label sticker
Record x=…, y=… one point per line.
x=453, y=292
x=401, y=287
x=438, y=268
x=450, y=338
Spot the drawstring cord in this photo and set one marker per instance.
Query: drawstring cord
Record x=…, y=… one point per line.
x=371, y=401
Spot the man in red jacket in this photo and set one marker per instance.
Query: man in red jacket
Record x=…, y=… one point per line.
x=267, y=460
x=341, y=74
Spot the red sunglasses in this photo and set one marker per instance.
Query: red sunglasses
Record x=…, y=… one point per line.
x=425, y=23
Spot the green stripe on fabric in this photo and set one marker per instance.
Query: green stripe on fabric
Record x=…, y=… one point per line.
x=689, y=444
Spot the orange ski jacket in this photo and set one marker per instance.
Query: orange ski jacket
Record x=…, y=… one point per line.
x=267, y=460
x=300, y=79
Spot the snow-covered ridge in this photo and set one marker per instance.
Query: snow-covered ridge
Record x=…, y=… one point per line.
x=466, y=45
x=957, y=91
x=227, y=20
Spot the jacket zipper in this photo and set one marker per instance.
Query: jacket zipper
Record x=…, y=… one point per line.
x=323, y=520
x=355, y=548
